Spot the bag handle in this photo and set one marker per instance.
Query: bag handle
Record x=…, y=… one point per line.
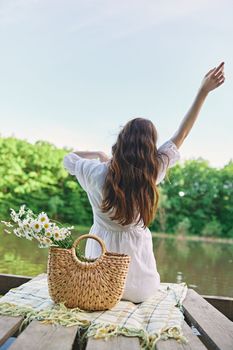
x=89, y=235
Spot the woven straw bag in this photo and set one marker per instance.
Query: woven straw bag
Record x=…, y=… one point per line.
x=94, y=285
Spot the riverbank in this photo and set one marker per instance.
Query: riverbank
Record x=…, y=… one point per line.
x=193, y=238
x=82, y=229
x=85, y=229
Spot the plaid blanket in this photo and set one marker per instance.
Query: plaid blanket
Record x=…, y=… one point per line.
x=159, y=317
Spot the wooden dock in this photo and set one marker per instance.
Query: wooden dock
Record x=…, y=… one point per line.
x=208, y=325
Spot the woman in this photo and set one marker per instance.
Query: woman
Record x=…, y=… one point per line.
x=123, y=190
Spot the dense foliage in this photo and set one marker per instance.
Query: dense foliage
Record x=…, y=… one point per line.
x=196, y=199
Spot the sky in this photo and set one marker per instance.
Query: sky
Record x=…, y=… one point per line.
x=74, y=72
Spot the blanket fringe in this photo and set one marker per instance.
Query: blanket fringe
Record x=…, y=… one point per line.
x=147, y=341
x=59, y=314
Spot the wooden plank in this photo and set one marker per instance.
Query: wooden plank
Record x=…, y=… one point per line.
x=194, y=342
x=8, y=326
x=45, y=336
x=115, y=343
x=215, y=328
x=223, y=304
x=11, y=281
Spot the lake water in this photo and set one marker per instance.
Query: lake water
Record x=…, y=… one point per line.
x=206, y=267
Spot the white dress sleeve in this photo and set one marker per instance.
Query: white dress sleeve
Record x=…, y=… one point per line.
x=169, y=159
x=82, y=168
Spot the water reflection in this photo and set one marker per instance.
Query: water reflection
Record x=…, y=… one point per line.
x=206, y=267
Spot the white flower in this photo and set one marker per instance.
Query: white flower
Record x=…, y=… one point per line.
x=48, y=234
x=36, y=226
x=47, y=226
x=7, y=231
x=28, y=234
x=6, y=223
x=26, y=229
x=56, y=232
x=43, y=218
x=29, y=213
x=26, y=223
x=13, y=212
x=57, y=236
x=65, y=232
x=14, y=215
x=20, y=223
x=37, y=237
x=18, y=232
x=22, y=210
x=42, y=245
x=44, y=242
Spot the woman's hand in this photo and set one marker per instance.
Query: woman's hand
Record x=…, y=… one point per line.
x=103, y=157
x=93, y=155
x=213, y=79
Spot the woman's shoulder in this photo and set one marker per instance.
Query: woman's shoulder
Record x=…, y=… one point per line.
x=88, y=172
x=168, y=156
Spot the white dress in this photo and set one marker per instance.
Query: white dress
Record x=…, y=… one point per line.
x=143, y=278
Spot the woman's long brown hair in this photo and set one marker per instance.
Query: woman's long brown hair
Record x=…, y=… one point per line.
x=130, y=189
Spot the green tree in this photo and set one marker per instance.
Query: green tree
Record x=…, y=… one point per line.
x=212, y=228
x=34, y=174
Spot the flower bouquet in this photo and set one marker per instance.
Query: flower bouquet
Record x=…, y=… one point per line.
x=26, y=224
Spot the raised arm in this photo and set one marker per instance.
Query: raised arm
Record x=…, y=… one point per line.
x=93, y=155
x=213, y=79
